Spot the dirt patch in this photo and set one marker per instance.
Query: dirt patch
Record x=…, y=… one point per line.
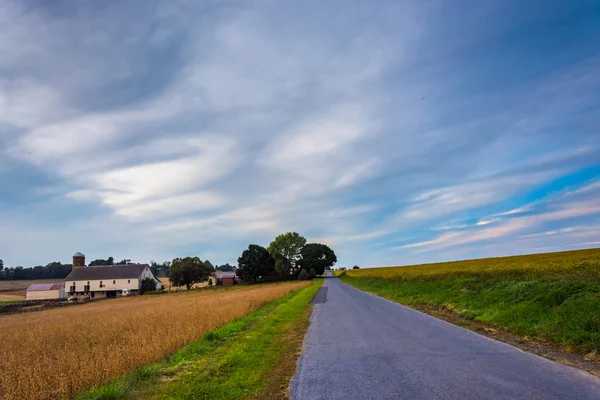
x=587, y=362
x=279, y=380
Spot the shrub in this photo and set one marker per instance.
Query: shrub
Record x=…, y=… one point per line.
x=303, y=275
x=312, y=274
x=148, y=285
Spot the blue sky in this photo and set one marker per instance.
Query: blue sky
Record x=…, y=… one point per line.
x=396, y=132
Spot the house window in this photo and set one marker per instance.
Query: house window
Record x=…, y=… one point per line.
x=113, y=282
x=128, y=280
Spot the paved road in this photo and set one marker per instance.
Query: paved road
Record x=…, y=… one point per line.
x=361, y=346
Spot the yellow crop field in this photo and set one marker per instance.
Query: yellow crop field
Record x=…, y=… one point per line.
x=61, y=352
x=564, y=265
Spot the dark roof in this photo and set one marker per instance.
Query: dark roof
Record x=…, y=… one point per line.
x=107, y=272
x=36, y=287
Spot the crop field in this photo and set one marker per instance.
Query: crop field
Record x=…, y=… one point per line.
x=170, y=288
x=15, y=290
x=61, y=352
x=554, y=296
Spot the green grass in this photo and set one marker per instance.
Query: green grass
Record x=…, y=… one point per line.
x=554, y=297
x=233, y=362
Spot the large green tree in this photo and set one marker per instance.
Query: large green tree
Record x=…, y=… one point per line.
x=254, y=262
x=317, y=256
x=289, y=246
x=188, y=271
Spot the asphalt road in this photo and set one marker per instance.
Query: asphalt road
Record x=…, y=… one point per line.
x=361, y=346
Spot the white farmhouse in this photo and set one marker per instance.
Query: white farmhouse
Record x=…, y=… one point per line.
x=105, y=280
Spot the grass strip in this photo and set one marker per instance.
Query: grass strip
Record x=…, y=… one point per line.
x=253, y=357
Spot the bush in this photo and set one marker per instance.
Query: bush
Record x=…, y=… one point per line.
x=303, y=275
x=356, y=267
x=148, y=285
x=312, y=274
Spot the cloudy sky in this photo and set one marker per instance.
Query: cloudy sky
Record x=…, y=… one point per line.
x=395, y=131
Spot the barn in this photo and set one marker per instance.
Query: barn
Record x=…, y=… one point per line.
x=227, y=279
x=45, y=291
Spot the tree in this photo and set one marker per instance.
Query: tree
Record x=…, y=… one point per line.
x=356, y=267
x=283, y=266
x=148, y=285
x=1, y=265
x=99, y=261
x=311, y=274
x=254, y=262
x=318, y=257
x=288, y=245
x=124, y=261
x=225, y=268
x=303, y=275
x=189, y=271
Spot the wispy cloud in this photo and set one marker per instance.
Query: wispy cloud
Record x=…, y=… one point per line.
x=192, y=127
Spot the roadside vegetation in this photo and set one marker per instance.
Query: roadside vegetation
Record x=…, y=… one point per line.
x=60, y=352
x=554, y=297
x=253, y=357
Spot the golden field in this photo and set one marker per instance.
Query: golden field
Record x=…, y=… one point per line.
x=583, y=264
x=61, y=352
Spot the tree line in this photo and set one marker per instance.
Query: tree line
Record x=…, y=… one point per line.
x=288, y=256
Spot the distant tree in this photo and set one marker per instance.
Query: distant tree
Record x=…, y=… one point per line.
x=254, y=262
x=122, y=262
x=356, y=267
x=188, y=271
x=225, y=268
x=283, y=266
x=99, y=261
x=303, y=275
x=318, y=257
x=311, y=274
x=148, y=285
x=160, y=270
x=289, y=246
x=1, y=265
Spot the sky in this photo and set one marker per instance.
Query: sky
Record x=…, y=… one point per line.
x=396, y=132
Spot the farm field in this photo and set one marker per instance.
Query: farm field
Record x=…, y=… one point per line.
x=61, y=352
x=15, y=290
x=170, y=288
x=251, y=358
x=554, y=297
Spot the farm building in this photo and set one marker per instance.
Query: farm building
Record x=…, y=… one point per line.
x=225, y=279
x=45, y=291
x=106, y=280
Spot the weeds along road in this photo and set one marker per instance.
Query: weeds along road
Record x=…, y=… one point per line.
x=361, y=346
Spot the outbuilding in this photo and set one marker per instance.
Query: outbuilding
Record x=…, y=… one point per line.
x=225, y=279
x=45, y=291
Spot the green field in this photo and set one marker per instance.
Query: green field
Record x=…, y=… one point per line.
x=554, y=297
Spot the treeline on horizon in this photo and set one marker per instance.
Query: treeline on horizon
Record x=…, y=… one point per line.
x=58, y=270
x=288, y=256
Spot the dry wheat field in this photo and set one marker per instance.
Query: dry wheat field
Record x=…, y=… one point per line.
x=59, y=353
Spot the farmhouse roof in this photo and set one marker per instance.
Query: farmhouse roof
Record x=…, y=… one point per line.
x=226, y=275
x=127, y=271
x=37, y=287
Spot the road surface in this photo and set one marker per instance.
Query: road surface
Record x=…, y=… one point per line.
x=360, y=346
